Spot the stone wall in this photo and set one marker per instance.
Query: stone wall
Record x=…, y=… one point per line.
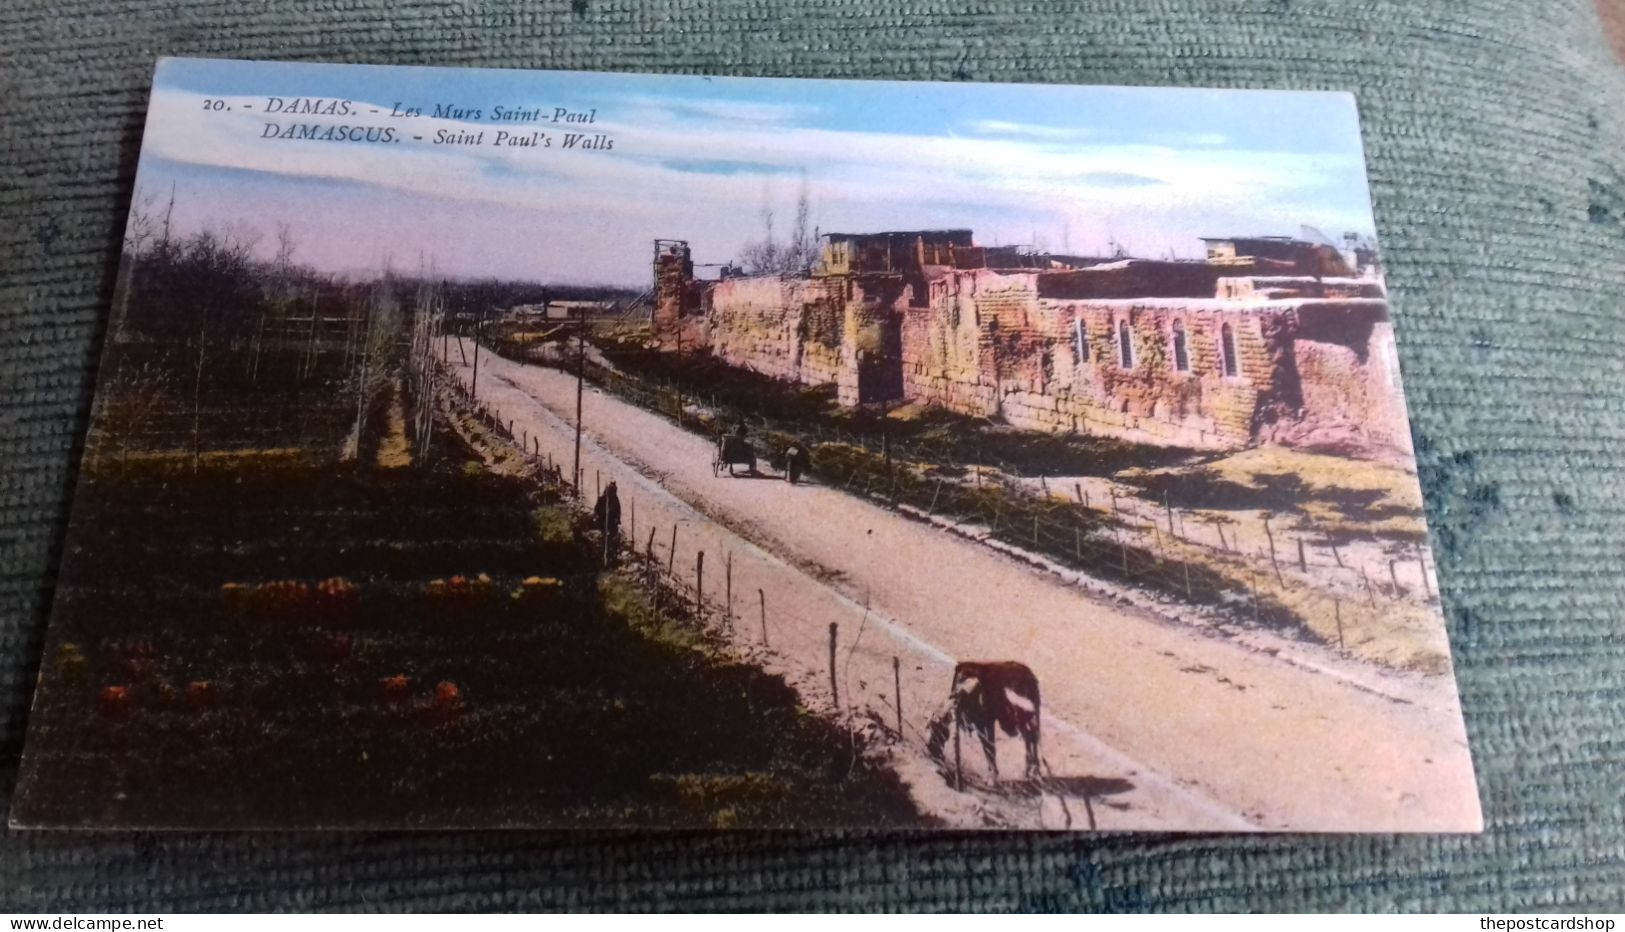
x=786, y=327
x=1043, y=350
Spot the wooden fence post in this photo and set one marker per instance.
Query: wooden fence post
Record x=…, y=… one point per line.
x=671, y=556
x=728, y=590
x=699, y=584
x=834, y=687
x=897, y=685
x=762, y=598
x=1337, y=607
x=959, y=773
x=1273, y=562
x=1303, y=561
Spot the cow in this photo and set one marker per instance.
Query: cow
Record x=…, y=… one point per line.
x=988, y=693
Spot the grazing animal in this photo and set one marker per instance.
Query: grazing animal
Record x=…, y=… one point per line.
x=988, y=693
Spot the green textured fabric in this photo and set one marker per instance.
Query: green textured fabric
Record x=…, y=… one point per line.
x=1495, y=131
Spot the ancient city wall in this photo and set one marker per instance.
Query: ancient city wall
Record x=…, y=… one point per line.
x=1046, y=351
x=992, y=344
x=789, y=328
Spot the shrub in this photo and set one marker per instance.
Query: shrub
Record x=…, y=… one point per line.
x=447, y=697
x=397, y=688
x=236, y=598
x=200, y=694
x=337, y=595
x=115, y=699
x=538, y=590
x=460, y=592
x=553, y=525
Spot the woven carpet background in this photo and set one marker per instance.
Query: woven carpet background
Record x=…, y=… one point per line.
x=1495, y=131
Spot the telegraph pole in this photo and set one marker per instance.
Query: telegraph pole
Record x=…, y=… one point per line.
x=581, y=371
x=474, y=381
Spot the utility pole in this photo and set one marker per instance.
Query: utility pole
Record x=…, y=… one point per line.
x=474, y=381
x=581, y=371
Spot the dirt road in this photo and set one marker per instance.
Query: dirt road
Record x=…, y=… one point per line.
x=1158, y=725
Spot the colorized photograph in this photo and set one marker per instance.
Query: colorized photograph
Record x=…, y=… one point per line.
x=542, y=449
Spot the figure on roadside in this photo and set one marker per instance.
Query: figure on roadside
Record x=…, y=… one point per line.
x=606, y=517
x=796, y=461
x=734, y=450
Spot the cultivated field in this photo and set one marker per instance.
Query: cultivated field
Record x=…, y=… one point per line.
x=304, y=586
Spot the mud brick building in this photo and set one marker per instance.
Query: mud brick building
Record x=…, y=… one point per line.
x=1291, y=345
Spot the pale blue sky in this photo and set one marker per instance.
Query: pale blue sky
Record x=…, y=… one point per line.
x=1067, y=168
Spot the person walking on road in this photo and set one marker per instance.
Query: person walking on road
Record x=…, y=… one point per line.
x=796, y=461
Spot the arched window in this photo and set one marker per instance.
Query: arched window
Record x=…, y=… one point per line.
x=1182, y=354
x=1125, y=345
x=1227, y=350
x=1080, y=341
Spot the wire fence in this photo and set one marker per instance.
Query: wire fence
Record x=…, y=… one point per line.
x=861, y=679
x=1297, y=581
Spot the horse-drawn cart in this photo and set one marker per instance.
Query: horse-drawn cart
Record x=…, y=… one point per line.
x=733, y=451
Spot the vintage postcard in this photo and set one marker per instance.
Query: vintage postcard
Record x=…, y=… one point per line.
x=483, y=448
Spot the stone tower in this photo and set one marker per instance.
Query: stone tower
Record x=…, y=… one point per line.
x=673, y=270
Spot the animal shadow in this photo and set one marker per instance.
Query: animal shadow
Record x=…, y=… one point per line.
x=1081, y=787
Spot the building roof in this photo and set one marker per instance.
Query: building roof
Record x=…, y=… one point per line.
x=955, y=232
x=1266, y=239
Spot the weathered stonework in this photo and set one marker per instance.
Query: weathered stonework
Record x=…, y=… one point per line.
x=1281, y=359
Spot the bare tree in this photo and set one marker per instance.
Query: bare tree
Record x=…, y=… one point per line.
x=138, y=233
x=228, y=254
x=768, y=256
x=377, y=364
